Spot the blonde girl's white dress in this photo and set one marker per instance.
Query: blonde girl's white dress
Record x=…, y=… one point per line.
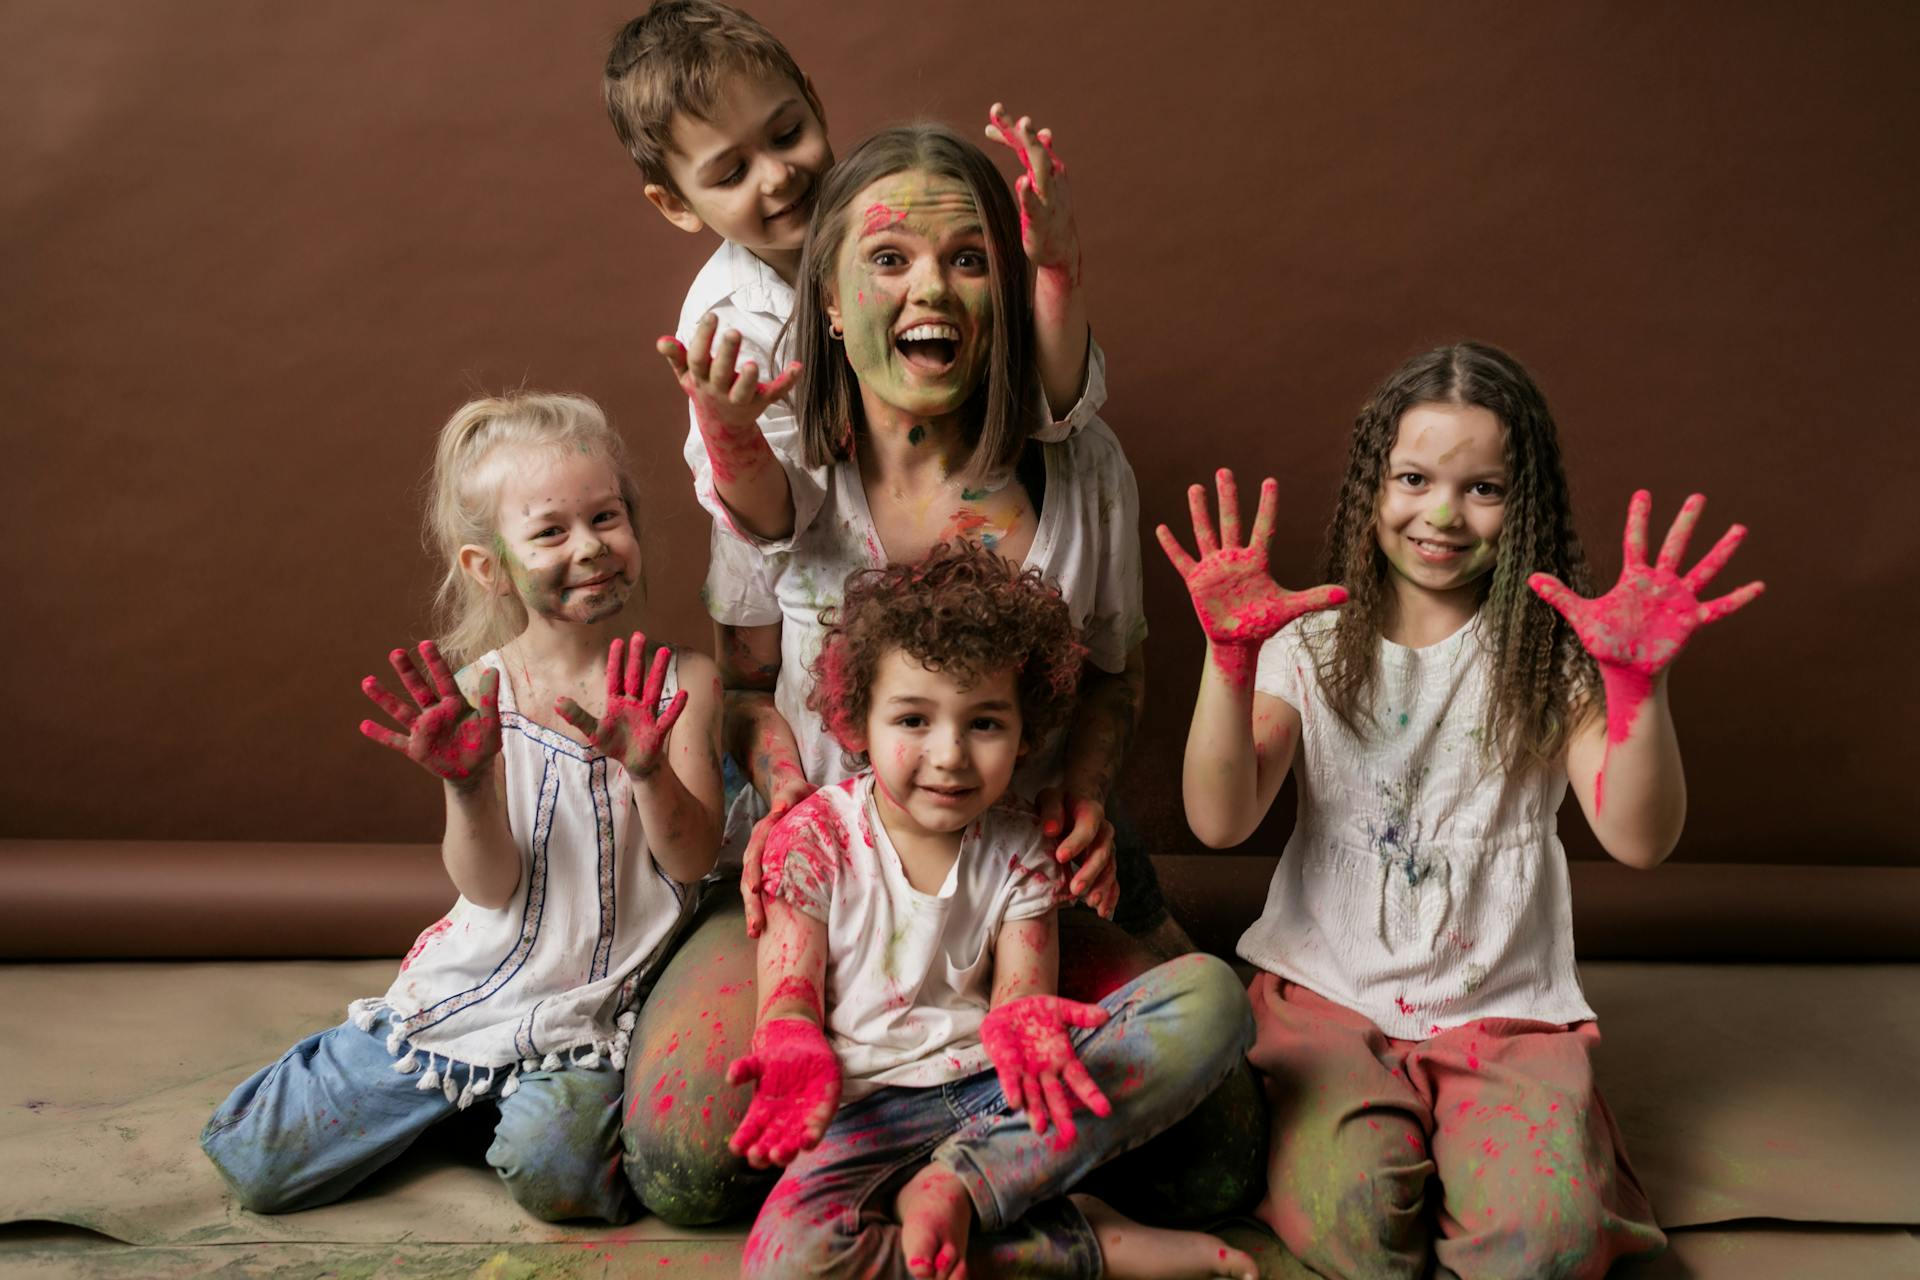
x=551, y=978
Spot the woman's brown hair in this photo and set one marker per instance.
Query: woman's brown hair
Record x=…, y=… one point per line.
x=1542, y=679
x=1004, y=410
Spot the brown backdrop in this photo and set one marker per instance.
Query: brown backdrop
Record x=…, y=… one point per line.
x=253, y=255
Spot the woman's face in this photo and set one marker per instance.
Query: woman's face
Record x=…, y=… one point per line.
x=912, y=294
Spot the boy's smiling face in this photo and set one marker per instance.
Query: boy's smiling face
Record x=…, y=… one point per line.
x=751, y=171
x=941, y=754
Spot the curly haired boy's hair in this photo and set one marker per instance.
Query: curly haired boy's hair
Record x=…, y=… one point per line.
x=962, y=610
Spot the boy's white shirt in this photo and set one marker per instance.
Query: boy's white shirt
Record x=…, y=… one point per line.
x=1424, y=886
x=910, y=974
x=747, y=295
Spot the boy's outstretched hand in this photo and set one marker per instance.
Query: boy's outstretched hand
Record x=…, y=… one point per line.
x=723, y=397
x=631, y=731
x=1239, y=604
x=797, y=1094
x=1048, y=231
x=445, y=735
x=1028, y=1043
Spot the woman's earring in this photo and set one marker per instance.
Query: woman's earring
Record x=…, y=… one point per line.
x=834, y=329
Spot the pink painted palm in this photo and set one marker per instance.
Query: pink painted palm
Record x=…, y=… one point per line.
x=631, y=730
x=1028, y=1043
x=1638, y=628
x=797, y=1093
x=1239, y=605
x=445, y=734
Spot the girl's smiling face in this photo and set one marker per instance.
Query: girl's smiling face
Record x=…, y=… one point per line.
x=565, y=538
x=912, y=295
x=1444, y=498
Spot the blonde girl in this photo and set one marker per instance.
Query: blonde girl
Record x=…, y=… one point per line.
x=583, y=804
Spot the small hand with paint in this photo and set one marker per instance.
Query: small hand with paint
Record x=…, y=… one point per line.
x=1239, y=605
x=724, y=398
x=1028, y=1043
x=445, y=735
x=1048, y=231
x=797, y=1093
x=789, y=789
x=632, y=731
x=1640, y=626
x=1088, y=840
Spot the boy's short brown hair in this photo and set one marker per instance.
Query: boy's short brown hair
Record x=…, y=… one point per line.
x=671, y=59
x=962, y=610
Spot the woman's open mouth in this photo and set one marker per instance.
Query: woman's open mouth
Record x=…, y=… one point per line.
x=929, y=348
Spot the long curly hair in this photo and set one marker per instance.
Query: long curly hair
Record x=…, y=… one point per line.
x=1543, y=681
x=961, y=610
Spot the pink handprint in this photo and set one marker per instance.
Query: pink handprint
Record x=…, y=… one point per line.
x=445, y=735
x=1239, y=604
x=797, y=1093
x=1639, y=627
x=630, y=731
x=1028, y=1043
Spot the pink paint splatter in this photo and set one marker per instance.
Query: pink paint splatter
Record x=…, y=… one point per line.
x=427, y=935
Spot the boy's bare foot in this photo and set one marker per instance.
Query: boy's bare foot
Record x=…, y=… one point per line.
x=1135, y=1252
x=936, y=1216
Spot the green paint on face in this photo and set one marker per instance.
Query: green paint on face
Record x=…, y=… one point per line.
x=925, y=262
x=972, y=495
x=1442, y=516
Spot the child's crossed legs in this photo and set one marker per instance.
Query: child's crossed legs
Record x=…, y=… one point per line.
x=1175, y=1033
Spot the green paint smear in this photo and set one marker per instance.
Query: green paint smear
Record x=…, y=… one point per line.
x=916, y=435
x=971, y=495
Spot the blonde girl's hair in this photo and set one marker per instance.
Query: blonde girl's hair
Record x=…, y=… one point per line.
x=1543, y=683
x=463, y=507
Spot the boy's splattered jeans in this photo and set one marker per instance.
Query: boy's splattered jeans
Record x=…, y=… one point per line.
x=1176, y=1031
x=307, y=1129
x=1502, y=1114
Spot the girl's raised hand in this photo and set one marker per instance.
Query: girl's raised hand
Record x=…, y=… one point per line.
x=1028, y=1043
x=722, y=395
x=1239, y=604
x=630, y=731
x=1640, y=626
x=797, y=1093
x=1047, y=228
x=445, y=735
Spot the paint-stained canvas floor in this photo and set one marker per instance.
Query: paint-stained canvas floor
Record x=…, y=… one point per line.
x=1745, y=1092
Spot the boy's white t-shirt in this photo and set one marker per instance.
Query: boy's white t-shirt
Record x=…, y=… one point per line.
x=1087, y=544
x=749, y=296
x=1423, y=886
x=909, y=974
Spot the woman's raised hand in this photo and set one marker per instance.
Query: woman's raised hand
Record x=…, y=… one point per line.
x=444, y=734
x=631, y=730
x=1642, y=624
x=1048, y=231
x=722, y=395
x=1239, y=604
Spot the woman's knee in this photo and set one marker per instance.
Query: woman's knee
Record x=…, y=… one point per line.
x=1560, y=1233
x=1212, y=1003
x=684, y=1172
